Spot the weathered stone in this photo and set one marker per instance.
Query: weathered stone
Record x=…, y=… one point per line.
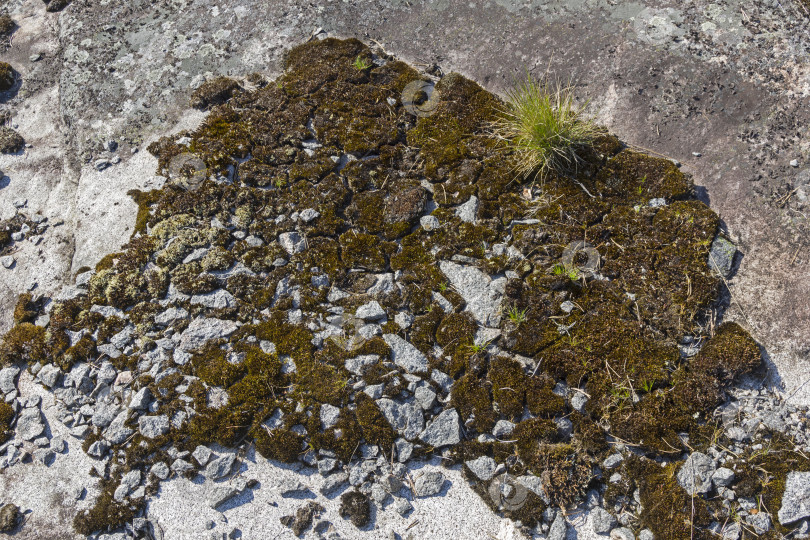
x=428, y=484
x=695, y=475
x=483, y=467
x=329, y=415
x=602, y=521
x=220, y=467
x=153, y=426
x=796, y=498
x=29, y=424
x=406, y=355
x=8, y=377
x=443, y=430
x=219, y=299
x=372, y=311
x=141, y=399
x=406, y=419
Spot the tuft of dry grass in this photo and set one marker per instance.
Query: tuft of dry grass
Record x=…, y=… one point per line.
x=545, y=127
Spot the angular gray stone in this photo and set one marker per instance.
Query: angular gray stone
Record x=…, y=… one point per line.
x=372, y=311
x=292, y=242
x=329, y=415
x=480, y=292
x=219, y=494
x=29, y=424
x=425, y=397
x=558, y=529
x=429, y=223
x=443, y=430
x=44, y=455
x=8, y=376
x=404, y=450
x=646, y=534
x=406, y=419
x=602, y=521
x=220, y=467
x=333, y=482
x=612, y=461
x=104, y=414
x=153, y=426
x=202, y=454
x=483, y=467
x=58, y=445
x=402, y=506
x=760, y=522
x=503, y=428
x=141, y=399
x=723, y=477
x=160, y=470
x=308, y=215
x=428, y=484
x=129, y=481
x=358, y=364
x=181, y=466
x=695, y=475
x=98, y=449
x=219, y=299
x=171, y=315
x=117, y=432
x=406, y=355
x=795, y=499
x=622, y=533
x=403, y=319
x=578, y=401
x=200, y=330
x=374, y=391
x=467, y=211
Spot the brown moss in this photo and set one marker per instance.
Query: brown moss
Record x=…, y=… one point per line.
x=25, y=342
x=667, y=509
x=6, y=418
x=376, y=429
x=107, y=514
x=471, y=396
x=355, y=506
x=26, y=309
x=729, y=354
x=11, y=142
x=7, y=78
x=213, y=92
x=7, y=25
x=279, y=444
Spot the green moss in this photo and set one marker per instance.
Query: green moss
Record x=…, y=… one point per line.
x=729, y=354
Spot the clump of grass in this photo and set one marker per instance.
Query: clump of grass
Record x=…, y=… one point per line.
x=545, y=126
x=517, y=316
x=361, y=64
